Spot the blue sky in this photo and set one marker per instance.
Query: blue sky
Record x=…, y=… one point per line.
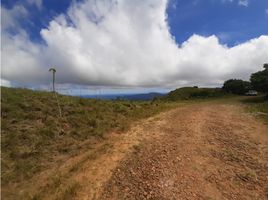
x=133, y=45
x=231, y=22
x=39, y=17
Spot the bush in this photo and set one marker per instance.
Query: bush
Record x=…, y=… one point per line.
x=259, y=80
x=236, y=86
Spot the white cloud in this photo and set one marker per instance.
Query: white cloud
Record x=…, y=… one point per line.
x=37, y=3
x=5, y=83
x=10, y=16
x=243, y=3
x=125, y=43
x=224, y=1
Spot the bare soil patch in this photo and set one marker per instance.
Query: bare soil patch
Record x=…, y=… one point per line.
x=202, y=151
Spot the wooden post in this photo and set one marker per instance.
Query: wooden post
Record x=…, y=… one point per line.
x=53, y=78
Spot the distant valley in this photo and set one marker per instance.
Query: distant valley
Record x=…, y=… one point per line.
x=136, y=97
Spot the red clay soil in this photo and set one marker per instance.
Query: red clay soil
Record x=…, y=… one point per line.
x=203, y=151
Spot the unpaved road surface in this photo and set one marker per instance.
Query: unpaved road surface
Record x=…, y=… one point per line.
x=201, y=151
x=207, y=151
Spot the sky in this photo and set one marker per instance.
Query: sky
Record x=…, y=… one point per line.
x=131, y=46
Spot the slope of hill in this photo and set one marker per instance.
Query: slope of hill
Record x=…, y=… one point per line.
x=187, y=93
x=34, y=137
x=43, y=153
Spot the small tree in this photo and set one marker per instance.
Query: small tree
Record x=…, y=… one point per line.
x=259, y=80
x=236, y=86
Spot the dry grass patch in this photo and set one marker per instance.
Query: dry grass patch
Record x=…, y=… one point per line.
x=35, y=139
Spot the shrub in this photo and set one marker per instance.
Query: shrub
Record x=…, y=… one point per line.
x=236, y=86
x=259, y=80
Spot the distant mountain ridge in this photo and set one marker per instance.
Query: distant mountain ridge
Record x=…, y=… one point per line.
x=136, y=97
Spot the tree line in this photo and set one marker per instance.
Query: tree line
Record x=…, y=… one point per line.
x=258, y=81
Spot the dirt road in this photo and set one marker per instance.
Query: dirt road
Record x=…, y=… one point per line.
x=197, y=152
x=210, y=150
x=200, y=151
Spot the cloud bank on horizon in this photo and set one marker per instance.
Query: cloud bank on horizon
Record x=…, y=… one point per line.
x=121, y=43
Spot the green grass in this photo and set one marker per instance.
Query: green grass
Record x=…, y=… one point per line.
x=33, y=134
x=257, y=106
x=193, y=93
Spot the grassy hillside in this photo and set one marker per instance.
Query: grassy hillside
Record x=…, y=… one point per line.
x=187, y=93
x=34, y=136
